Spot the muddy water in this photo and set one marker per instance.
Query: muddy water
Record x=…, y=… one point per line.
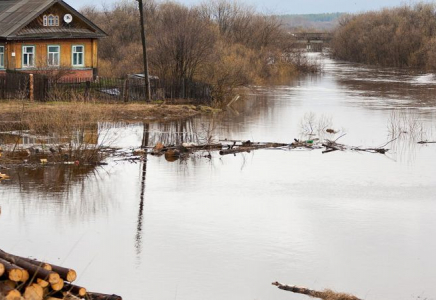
x=226, y=227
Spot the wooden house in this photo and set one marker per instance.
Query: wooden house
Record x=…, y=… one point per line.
x=38, y=36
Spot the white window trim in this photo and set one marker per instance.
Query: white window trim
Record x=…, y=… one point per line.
x=46, y=19
x=48, y=55
x=74, y=52
x=2, y=57
x=22, y=57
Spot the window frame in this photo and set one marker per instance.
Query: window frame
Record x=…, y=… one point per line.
x=2, y=57
x=54, y=53
x=28, y=66
x=50, y=20
x=73, y=52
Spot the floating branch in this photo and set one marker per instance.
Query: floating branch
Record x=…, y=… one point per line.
x=326, y=294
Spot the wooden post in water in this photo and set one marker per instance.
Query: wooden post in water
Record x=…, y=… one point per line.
x=31, y=88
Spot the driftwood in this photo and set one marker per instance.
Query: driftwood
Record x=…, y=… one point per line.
x=247, y=146
x=40, y=281
x=326, y=294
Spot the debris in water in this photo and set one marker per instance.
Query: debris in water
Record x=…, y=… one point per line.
x=326, y=294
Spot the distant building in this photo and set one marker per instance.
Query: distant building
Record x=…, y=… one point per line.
x=41, y=35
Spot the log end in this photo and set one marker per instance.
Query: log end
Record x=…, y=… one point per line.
x=58, y=285
x=54, y=278
x=71, y=275
x=25, y=275
x=33, y=292
x=15, y=275
x=12, y=295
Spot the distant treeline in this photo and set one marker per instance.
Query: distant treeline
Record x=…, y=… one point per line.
x=314, y=22
x=397, y=37
x=221, y=43
x=326, y=17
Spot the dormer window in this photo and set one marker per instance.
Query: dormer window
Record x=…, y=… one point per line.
x=50, y=20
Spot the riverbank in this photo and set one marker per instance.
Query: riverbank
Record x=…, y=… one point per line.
x=16, y=111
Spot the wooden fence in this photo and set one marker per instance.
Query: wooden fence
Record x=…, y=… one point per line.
x=41, y=88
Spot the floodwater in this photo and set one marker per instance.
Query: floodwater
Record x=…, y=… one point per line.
x=226, y=227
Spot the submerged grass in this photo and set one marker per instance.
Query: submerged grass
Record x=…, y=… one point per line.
x=68, y=131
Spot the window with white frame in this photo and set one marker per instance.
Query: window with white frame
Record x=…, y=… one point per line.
x=50, y=20
x=28, y=56
x=2, y=57
x=53, y=54
x=78, y=56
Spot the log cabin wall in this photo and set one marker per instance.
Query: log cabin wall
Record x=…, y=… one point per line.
x=14, y=55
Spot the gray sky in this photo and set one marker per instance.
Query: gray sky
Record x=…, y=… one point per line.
x=289, y=6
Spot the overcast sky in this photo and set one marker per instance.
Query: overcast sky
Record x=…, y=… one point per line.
x=289, y=6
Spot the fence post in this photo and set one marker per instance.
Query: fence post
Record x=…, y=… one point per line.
x=126, y=90
x=31, y=88
x=87, y=88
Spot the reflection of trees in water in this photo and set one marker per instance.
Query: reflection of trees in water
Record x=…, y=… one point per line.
x=49, y=179
x=422, y=96
x=71, y=191
x=173, y=133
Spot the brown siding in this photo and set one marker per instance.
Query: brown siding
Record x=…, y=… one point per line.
x=41, y=52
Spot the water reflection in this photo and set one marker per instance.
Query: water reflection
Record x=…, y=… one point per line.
x=144, y=144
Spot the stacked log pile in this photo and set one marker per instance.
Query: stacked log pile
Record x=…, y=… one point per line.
x=27, y=279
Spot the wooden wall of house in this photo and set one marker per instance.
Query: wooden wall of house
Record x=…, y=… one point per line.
x=91, y=49
x=59, y=11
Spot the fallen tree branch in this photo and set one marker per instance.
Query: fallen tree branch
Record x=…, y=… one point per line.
x=326, y=294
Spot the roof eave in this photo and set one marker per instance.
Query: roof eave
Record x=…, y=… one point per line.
x=54, y=37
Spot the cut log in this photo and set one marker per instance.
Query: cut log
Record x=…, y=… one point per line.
x=8, y=293
x=41, y=264
x=58, y=285
x=33, y=292
x=34, y=270
x=98, y=296
x=326, y=294
x=75, y=290
x=14, y=272
x=10, y=283
x=42, y=282
x=66, y=274
x=2, y=269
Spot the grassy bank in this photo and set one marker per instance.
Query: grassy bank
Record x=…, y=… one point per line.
x=27, y=112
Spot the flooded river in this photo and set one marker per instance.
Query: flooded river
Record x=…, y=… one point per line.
x=224, y=228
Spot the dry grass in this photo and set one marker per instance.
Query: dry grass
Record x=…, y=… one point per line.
x=13, y=111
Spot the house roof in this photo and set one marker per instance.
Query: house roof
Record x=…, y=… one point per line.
x=16, y=14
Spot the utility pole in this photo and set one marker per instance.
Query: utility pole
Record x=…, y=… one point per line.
x=144, y=52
